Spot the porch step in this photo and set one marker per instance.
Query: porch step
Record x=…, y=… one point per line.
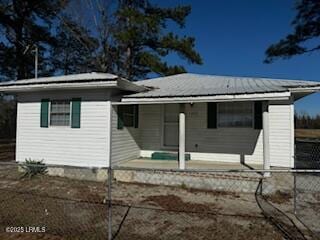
x=168, y=156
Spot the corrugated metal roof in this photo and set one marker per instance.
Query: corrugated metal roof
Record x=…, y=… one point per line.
x=72, y=81
x=64, y=78
x=187, y=84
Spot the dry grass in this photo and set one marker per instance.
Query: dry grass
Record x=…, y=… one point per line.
x=307, y=133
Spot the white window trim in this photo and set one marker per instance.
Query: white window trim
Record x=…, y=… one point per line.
x=244, y=127
x=49, y=117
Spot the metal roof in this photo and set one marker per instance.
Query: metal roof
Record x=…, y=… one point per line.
x=186, y=85
x=63, y=79
x=72, y=81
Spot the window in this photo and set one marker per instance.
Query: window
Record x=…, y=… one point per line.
x=60, y=113
x=128, y=116
x=235, y=114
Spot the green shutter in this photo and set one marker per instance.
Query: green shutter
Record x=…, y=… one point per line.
x=257, y=115
x=44, y=115
x=76, y=113
x=120, y=116
x=136, y=116
x=212, y=115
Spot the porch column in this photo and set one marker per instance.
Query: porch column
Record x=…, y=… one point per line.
x=109, y=132
x=182, y=137
x=266, y=141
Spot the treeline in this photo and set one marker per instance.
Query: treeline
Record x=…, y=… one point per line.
x=7, y=118
x=129, y=38
x=306, y=121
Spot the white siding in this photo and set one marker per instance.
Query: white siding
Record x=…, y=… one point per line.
x=125, y=142
x=222, y=144
x=86, y=146
x=281, y=134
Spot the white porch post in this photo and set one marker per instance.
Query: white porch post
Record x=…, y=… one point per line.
x=182, y=137
x=266, y=140
x=109, y=132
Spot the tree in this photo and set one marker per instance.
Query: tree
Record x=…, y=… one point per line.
x=143, y=42
x=134, y=39
x=25, y=24
x=73, y=52
x=306, y=29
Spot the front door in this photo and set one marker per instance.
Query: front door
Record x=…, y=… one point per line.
x=171, y=125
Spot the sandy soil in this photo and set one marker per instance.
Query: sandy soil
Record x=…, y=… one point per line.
x=72, y=209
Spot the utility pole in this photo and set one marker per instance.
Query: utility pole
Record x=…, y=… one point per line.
x=36, y=61
x=35, y=58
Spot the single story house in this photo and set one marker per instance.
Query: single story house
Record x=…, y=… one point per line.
x=98, y=119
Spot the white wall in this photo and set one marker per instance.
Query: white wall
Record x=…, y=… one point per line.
x=281, y=117
x=86, y=146
x=125, y=142
x=222, y=144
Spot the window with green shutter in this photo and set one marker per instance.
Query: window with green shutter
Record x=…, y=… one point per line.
x=212, y=115
x=128, y=116
x=76, y=113
x=44, y=113
x=257, y=115
x=60, y=113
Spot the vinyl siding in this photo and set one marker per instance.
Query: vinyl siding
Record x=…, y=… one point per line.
x=281, y=139
x=125, y=142
x=86, y=146
x=223, y=144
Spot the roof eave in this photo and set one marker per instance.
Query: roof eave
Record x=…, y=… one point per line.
x=216, y=98
x=305, y=89
x=57, y=86
x=126, y=85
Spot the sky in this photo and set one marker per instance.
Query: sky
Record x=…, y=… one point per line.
x=232, y=36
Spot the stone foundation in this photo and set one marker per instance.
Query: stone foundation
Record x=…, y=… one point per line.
x=89, y=174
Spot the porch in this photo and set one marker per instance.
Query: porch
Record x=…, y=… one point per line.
x=198, y=132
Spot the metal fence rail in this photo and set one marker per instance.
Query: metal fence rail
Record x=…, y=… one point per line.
x=137, y=203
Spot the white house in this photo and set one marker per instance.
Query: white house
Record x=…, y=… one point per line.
x=95, y=119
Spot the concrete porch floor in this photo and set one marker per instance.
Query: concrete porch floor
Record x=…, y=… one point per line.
x=192, y=164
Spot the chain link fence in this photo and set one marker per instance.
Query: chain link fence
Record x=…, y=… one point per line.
x=50, y=206
x=307, y=154
x=158, y=204
x=307, y=185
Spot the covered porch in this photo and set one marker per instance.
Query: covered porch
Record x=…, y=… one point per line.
x=191, y=132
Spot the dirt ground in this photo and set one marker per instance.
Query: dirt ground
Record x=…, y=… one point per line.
x=7, y=149
x=73, y=209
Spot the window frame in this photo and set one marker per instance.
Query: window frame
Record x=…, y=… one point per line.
x=70, y=113
x=242, y=127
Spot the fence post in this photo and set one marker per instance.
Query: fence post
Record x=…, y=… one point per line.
x=109, y=203
x=295, y=193
x=295, y=181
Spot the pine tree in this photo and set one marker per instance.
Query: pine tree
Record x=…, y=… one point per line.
x=142, y=39
x=74, y=50
x=306, y=30
x=24, y=25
